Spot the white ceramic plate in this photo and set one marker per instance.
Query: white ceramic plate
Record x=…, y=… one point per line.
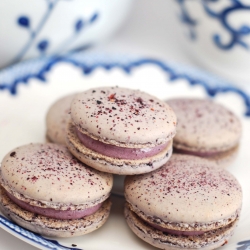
x=28, y=89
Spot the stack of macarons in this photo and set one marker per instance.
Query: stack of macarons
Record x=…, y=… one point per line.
x=45, y=189
x=113, y=130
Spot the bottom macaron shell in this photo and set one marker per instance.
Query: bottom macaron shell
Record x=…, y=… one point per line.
x=113, y=165
x=226, y=158
x=53, y=227
x=208, y=241
x=222, y=159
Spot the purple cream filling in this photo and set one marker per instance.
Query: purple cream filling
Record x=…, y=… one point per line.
x=177, y=232
x=119, y=152
x=53, y=213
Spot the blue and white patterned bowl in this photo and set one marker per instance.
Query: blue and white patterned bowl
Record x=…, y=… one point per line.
x=217, y=35
x=41, y=27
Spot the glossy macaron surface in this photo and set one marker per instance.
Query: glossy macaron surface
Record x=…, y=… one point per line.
x=123, y=117
x=48, y=175
x=204, y=125
x=187, y=189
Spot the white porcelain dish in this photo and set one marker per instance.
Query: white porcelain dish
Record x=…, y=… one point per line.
x=29, y=88
x=217, y=35
x=31, y=29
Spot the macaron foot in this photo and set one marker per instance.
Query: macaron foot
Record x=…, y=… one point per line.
x=53, y=227
x=163, y=240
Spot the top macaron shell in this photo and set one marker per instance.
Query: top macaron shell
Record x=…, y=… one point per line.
x=123, y=117
x=57, y=119
x=49, y=174
x=187, y=189
x=204, y=125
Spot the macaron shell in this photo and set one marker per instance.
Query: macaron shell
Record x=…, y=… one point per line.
x=222, y=159
x=48, y=175
x=208, y=241
x=225, y=158
x=53, y=227
x=204, y=125
x=123, y=117
x=186, y=192
x=57, y=119
x=113, y=165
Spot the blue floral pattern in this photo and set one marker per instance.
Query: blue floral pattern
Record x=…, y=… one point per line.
x=24, y=21
x=42, y=45
x=186, y=18
x=243, y=245
x=79, y=25
x=11, y=77
x=236, y=35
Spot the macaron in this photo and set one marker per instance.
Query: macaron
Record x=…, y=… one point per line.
x=206, y=129
x=57, y=119
x=120, y=130
x=48, y=191
x=189, y=203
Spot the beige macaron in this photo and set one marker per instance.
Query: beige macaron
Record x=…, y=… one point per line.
x=121, y=131
x=57, y=119
x=207, y=129
x=188, y=203
x=47, y=190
